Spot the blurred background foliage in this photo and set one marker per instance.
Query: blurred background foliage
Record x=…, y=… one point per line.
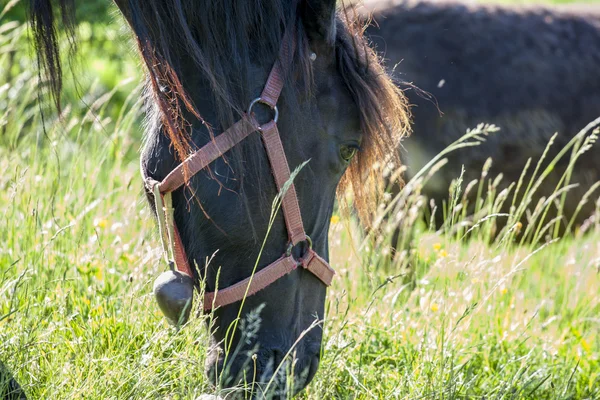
x=105, y=56
x=79, y=253
x=94, y=11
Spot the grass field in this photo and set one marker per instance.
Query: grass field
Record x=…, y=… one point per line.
x=445, y=319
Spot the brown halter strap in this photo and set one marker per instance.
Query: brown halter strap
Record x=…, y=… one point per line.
x=222, y=143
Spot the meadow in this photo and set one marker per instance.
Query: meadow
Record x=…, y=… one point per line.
x=455, y=313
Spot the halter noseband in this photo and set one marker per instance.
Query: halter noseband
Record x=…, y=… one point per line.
x=200, y=159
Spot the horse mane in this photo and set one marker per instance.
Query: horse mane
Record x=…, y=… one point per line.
x=209, y=36
x=384, y=115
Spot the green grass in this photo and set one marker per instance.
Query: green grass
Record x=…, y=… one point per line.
x=446, y=318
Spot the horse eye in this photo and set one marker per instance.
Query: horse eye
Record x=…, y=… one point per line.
x=347, y=151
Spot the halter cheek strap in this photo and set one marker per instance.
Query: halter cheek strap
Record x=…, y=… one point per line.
x=172, y=245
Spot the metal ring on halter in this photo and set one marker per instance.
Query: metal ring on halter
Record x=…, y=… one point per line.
x=290, y=247
x=262, y=101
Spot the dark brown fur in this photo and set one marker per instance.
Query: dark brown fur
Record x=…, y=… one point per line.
x=532, y=72
x=206, y=60
x=167, y=30
x=9, y=388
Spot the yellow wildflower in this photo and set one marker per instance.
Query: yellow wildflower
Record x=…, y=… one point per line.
x=518, y=227
x=437, y=246
x=434, y=307
x=100, y=223
x=585, y=345
x=335, y=219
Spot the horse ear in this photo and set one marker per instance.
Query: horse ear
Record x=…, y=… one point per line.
x=318, y=17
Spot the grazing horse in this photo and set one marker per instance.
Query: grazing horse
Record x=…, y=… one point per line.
x=9, y=388
x=210, y=153
x=530, y=71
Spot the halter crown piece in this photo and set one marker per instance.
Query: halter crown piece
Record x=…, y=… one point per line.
x=172, y=246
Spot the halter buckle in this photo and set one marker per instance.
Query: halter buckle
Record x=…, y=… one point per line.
x=271, y=106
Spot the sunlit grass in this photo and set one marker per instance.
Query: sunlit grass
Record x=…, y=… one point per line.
x=439, y=317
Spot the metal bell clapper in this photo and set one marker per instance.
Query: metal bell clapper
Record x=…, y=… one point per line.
x=173, y=289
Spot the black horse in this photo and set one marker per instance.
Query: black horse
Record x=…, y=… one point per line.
x=206, y=60
x=530, y=71
x=9, y=388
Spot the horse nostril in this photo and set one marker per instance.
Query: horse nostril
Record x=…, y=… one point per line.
x=304, y=369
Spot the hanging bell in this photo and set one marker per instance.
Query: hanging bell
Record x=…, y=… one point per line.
x=174, y=292
x=173, y=289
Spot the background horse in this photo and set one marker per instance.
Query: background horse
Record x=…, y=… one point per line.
x=206, y=61
x=530, y=71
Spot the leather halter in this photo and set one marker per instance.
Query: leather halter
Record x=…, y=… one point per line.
x=200, y=159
